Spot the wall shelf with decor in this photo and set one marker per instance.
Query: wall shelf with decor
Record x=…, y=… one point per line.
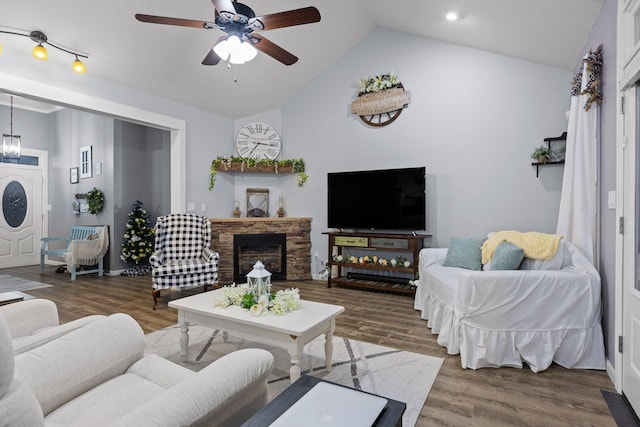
x=240, y=165
x=373, y=259
x=556, y=148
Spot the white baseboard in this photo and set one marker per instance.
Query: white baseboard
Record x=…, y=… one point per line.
x=113, y=272
x=611, y=372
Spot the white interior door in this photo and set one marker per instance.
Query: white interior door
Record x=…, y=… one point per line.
x=21, y=214
x=631, y=251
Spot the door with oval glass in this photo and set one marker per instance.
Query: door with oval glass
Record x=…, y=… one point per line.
x=21, y=216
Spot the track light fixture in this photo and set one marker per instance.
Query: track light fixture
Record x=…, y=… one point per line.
x=40, y=51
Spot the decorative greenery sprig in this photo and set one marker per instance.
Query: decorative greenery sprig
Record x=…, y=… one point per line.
x=224, y=163
x=542, y=154
x=95, y=200
x=378, y=83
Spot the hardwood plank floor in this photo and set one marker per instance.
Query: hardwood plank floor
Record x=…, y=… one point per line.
x=459, y=397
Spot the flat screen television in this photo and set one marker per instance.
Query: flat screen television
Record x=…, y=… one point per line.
x=388, y=199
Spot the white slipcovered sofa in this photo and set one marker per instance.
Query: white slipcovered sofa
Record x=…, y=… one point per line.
x=98, y=375
x=35, y=322
x=546, y=311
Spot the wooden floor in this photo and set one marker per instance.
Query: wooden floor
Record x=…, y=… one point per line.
x=459, y=397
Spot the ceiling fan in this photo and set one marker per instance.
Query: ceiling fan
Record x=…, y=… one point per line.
x=239, y=20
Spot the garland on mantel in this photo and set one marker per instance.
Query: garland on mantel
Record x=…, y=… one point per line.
x=226, y=163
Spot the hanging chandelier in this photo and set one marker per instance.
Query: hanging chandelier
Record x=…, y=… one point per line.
x=11, y=143
x=40, y=51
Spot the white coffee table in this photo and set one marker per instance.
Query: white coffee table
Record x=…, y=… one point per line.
x=291, y=330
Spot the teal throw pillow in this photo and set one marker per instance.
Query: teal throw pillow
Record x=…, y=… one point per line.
x=507, y=256
x=464, y=253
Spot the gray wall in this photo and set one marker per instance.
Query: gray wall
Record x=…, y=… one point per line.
x=135, y=166
x=474, y=119
x=141, y=172
x=68, y=131
x=30, y=125
x=604, y=32
x=207, y=135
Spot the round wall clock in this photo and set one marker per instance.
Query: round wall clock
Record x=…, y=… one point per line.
x=258, y=141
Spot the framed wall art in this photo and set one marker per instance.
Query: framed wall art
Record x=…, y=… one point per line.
x=73, y=175
x=257, y=202
x=86, y=162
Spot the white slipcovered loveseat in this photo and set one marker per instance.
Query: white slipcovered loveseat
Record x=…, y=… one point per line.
x=34, y=322
x=545, y=311
x=98, y=375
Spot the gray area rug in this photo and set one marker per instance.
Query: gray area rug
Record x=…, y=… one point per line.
x=12, y=284
x=400, y=375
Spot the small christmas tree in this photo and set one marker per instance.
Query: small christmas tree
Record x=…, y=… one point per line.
x=138, y=241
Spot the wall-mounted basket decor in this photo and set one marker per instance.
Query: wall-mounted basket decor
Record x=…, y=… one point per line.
x=91, y=202
x=380, y=100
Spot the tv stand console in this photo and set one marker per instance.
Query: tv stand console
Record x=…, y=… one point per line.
x=371, y=245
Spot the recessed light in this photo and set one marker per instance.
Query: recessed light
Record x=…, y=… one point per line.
x=451, y=16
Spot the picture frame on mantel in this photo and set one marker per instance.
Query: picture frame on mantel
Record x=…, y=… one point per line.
x=257, y=202
x=74, y=177
x=86, y=162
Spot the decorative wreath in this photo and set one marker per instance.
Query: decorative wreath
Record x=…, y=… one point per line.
x=95, y=200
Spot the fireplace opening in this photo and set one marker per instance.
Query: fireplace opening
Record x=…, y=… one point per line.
x=270, y=248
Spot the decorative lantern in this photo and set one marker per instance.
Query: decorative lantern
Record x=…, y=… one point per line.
x=259, y=281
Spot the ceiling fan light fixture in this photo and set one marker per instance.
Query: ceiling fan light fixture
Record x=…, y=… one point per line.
x=223, y=49
x=40, y=52
x=452, y=16
x=234, y=50
x=78, y=66
x=248, y=51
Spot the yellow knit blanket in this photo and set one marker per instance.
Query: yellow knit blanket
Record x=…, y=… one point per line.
x=536, y=245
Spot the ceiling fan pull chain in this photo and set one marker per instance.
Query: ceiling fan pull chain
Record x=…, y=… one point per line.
x=235, y=73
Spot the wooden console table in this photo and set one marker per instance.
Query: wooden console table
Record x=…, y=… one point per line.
x=406, y=245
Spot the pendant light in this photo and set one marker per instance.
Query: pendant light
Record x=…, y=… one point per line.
x=11, y=143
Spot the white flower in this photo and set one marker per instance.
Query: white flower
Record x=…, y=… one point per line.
x=393, y=262
x=285, y=301
x=257, y=309
x=407, y=264
x=222, y=302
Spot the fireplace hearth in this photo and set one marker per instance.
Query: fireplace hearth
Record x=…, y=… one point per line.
x=298, y=251
x=270, y=248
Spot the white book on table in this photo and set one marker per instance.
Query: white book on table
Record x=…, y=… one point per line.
x=332, y=405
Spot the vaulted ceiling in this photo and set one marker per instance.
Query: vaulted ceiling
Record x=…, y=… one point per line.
x=166, y=60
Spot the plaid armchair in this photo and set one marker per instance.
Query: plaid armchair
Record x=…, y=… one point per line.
x=183, y=255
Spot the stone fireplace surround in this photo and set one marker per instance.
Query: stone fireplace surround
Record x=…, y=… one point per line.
x=297, y=230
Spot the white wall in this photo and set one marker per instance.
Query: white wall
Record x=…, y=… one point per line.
x=473, y=120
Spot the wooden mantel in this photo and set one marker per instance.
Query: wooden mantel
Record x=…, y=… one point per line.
x=298, y=231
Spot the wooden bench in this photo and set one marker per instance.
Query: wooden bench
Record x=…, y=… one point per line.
x=77, y=232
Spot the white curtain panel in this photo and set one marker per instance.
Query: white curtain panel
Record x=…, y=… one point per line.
x=578, y=210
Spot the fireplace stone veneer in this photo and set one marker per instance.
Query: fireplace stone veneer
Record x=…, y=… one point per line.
x=297, y=230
